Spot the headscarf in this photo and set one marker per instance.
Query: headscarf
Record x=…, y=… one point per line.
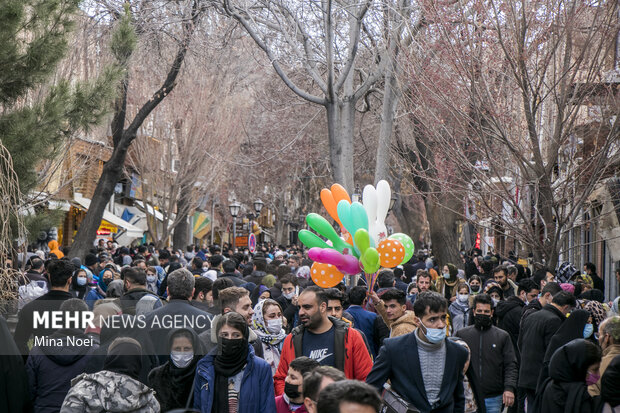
x=260, y=327
x=303, y=272
x=593, y=294
x=615, y=306
x=268, y=281
x=610, y=383
x=124, y=357
x=103, y=286
x=115, y=289
x=597, y=311
x=453, y=271
x=102, y=311
x=228, y=365
x=568, y=287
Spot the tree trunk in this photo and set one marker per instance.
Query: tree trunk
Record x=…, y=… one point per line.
x=180, y=238
x=384, y=146
x=340, y=129
x=442, y=223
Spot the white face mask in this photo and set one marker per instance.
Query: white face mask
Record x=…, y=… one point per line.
x=288, y=296
x=81, y=280
x=495, y=302
x=260, y=300
x=274, y=326
x=151, y=278
x=463, y=298
x=181, y=359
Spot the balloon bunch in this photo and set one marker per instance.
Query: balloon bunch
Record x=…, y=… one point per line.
x=364, y=244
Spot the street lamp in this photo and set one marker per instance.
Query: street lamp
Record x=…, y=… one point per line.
x=234, y=208
x=357, y=195
x=258, y=206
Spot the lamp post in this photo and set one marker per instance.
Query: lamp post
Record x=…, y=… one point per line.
x=258, y=206
x=234, y=208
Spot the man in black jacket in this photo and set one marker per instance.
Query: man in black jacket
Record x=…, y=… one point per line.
x=509, y=311
x=536, y=333
x=229, y=267
x=60, y=274
x=492, y=356
x=134, y=284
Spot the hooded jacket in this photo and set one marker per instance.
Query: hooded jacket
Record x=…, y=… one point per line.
x=402, y=325
x=110, y=392
x=53, y=245
x=256, y=393
x=508, y=314
x=50, y=369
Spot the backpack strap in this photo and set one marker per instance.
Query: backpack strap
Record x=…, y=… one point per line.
x=340, y=336
x=297, y=340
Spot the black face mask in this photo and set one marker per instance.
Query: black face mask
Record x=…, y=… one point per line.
x=231, y=355
x=483, y=321
x=475, y=288
x=291, y=390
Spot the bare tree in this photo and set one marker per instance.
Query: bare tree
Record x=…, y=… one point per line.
x=499, y=111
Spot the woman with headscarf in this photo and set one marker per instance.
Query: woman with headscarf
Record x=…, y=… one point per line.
x=574, y=327
x=447, y=282
x=100, y=290
x=173, y=380
x=459, y=309
x=572, y=368
x=79, y=283
x=267, y=324
x=116, y=388
x=231, y=379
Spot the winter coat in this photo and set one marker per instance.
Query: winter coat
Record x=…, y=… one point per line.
x=256, y=393
x=403, y=325
x=51, y=368
x=357, y=362
x=92, y=296
x=535, y=336
x=608, y=355
x=14, y=389
x=492, y=358
x=131, y=298
x=110, y=392
x=283, y=407
x=508, y=314
x=371, y=325
x=459, y=315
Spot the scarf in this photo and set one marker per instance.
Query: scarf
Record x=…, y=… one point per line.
x=231, y=358
x=260, y=327
x=125, y=358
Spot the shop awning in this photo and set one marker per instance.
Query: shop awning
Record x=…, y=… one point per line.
x=202, y=225
x=111, y=222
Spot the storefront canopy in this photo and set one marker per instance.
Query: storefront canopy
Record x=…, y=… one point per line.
x=111, y=220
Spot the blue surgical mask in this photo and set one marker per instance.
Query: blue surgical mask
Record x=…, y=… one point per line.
x=151, y=278
x=435, y=335
x=81, y=280
x=446, y=275
x=588, y=330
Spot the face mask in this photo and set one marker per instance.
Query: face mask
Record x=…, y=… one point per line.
x=475, y=288
x=231, y=348
x=274, y=326
x=588, y=330
x=434, y=335
x=260, y=300
x=289, y=296
x=446, y=275
x=483, y=321
x=495, y=302
x=592, y=378
x=107, y=281
x=151, y=278
x=81, y=280
x=291, y=390
x=181, y=359
x=463, y=298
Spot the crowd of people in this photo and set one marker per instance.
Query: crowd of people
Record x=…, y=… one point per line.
x=219, y=329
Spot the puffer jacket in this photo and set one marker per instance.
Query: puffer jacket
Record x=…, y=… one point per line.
x=256, y=394
x=110, y=392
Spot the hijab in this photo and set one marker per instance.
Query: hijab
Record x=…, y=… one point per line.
x=259, y=325
x=124, y=357
x=230, y=359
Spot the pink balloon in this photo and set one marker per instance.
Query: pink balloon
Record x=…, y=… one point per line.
x=315, y=254
x=344, y=263
x=333, y=257
x=351, y=265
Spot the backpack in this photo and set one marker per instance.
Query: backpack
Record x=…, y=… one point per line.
x=340, y=333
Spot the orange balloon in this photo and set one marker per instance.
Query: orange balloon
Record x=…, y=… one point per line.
x=391, y=253
x=339, y=193
x=325, y=275
x=330, y=204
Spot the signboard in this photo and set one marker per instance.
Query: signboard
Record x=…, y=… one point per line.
x=241, y=241
x=252, y=243
x=106, y=228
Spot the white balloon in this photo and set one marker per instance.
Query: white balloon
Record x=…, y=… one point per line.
x=369, y=198
x=384, y=195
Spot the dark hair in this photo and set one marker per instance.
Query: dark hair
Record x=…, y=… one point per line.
x=164, y=255
x=564, y=298
x=221, y=284
x=288, y=279
x=476, y=278
x=357, y=295
x=260, y=264
x=593, y=353
x=385, y=279
x=500, y=268
x=234, y=320
x=527, y=285
x=202, y=285
x=216, y=260
x=198, y=262
x=511, y=269
x=334, y=294
x=321, y=297
x=540, y=274
x=351, y=391
x=134, y=275
x=486, y=266
x=312, y=380
x=36, y=263
x=303, y=364
x=482, y=298
x=60, y=271
x=282, y=270
x=229, y=266
x=74, y=305
x=430, y=300
x=590, y=266
x=551, y=287
x=394, y=294
x=422, y=274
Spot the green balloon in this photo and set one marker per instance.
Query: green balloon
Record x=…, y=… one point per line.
x=407, y=244
x=371, y=260
x=320, y=225
x=362, y=240
x=311, y=240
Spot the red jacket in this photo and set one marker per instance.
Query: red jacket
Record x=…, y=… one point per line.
x=357, y=361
